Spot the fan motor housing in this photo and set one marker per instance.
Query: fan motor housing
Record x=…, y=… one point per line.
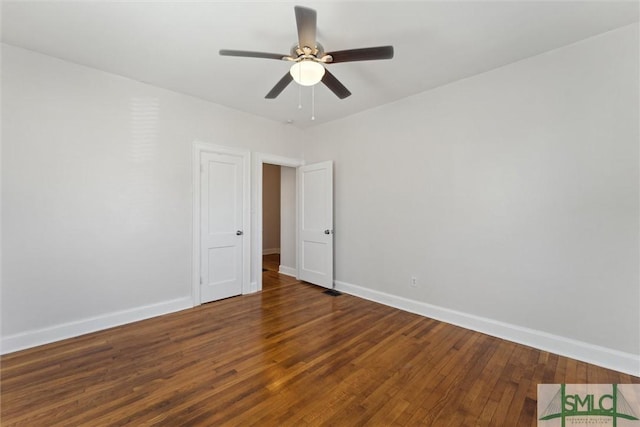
x=297, y=51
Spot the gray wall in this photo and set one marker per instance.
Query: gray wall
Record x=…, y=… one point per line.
x=96, y=193
x=288, y=219
x=511, y=195
x=271, y=208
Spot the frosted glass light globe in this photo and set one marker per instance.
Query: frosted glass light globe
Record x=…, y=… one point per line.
x=307, y=72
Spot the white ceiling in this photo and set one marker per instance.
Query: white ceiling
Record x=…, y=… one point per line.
x=175, y=44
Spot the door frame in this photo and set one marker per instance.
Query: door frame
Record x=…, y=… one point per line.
x=200, y=147
x=259, y=159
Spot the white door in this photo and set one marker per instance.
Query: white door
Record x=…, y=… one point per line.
x=221, y=226
x=315, y=245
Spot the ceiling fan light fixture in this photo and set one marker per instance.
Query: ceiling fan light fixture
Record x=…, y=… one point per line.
x=307, y=72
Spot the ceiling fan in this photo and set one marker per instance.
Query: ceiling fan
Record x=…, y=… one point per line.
x=309, y=58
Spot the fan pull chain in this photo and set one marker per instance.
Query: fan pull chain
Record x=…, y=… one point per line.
x=313, y=102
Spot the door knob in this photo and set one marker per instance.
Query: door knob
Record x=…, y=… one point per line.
x=327, y=231
x=239, y=233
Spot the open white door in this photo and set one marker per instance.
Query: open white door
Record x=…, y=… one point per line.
x=221, y=226
x=315, y=237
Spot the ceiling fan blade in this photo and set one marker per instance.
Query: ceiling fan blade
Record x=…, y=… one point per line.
x=334, y=84
x=249, y=54
x=306, y=20
x=364, y=54
x=279, y=87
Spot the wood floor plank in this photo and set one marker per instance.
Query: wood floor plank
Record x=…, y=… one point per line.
x=290, y=355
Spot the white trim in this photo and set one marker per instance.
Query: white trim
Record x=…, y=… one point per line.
x=258, y=160
x=272, y=251
x=63, y=331
x=200, y=147
x=590, y=353
x=288, y=271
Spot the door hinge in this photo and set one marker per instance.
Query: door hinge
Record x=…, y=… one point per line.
x=201, y=280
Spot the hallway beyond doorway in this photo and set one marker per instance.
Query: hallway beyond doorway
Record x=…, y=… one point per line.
x=271, y=262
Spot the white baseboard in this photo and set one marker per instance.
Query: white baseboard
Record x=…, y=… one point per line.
x=253, y=287
x=50, y=334
x=287, y=271
x=590, y=353
x=271, y=251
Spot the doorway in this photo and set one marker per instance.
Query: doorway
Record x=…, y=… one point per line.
x=279, y=247
x=279, y=219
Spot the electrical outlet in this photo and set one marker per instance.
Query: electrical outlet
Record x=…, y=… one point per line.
x=414, y=282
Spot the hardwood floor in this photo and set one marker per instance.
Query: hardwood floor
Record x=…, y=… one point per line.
x=271, y=262
x=289, y=355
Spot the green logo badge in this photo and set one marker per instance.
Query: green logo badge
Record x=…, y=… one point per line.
x=588, y=405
